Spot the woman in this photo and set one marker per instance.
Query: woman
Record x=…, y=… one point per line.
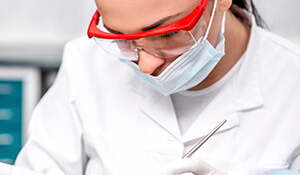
x=140, y=112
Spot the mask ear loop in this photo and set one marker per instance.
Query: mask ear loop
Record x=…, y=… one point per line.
x=209, y=26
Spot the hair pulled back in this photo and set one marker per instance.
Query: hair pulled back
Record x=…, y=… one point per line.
x=250, y=7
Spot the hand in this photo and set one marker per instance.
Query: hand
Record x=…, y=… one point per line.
x=190, y=165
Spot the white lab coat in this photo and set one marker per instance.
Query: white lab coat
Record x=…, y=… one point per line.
x=99, y=119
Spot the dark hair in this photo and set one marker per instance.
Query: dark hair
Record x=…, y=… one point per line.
x=250, y=7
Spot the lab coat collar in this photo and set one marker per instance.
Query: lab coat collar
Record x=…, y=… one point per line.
x=158, y=108
x=211, y=117
x=248, y=88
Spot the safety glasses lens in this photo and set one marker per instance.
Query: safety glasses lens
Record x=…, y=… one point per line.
x=164, y=46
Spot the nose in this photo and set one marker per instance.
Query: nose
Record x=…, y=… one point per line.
x=148, y=63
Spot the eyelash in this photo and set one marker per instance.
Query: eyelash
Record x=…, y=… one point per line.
x=164, y=36
x=167, y=35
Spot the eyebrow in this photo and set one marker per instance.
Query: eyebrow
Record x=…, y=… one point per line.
x=150, y=27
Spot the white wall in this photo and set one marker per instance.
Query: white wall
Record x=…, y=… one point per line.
x=282, y=17
x=36, y=30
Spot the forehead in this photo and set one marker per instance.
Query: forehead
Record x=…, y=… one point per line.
x=130, y=16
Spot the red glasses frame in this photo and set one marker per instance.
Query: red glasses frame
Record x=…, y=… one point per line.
x=187, y=23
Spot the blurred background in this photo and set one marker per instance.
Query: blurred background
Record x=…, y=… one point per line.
x=32, y=37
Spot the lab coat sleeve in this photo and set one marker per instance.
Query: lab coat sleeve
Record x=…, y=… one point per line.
x=55, y=132
x=296, y=164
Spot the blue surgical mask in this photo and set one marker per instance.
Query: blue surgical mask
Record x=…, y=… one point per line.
x=188, y=70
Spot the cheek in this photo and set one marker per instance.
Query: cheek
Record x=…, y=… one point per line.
x=207, y=12
x=206, y=17
x=97, y=3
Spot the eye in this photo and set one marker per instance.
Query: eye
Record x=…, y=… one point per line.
x=168, y=35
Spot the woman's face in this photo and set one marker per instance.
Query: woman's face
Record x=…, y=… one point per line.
x=132, y=16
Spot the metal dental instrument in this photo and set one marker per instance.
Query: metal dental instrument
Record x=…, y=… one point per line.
x=202, y=141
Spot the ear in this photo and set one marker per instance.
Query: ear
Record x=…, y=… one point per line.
x=224, y=5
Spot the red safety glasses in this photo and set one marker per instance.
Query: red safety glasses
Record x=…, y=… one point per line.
x=187, y=23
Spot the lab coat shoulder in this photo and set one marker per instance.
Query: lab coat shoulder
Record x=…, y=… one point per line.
x=55, y=131
x=85, y=62
x=274, y=64
x=281, y=42
x=277, y=61
x=279, y=65
x=100, y=82
x=108, y=102
x=280, y=83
